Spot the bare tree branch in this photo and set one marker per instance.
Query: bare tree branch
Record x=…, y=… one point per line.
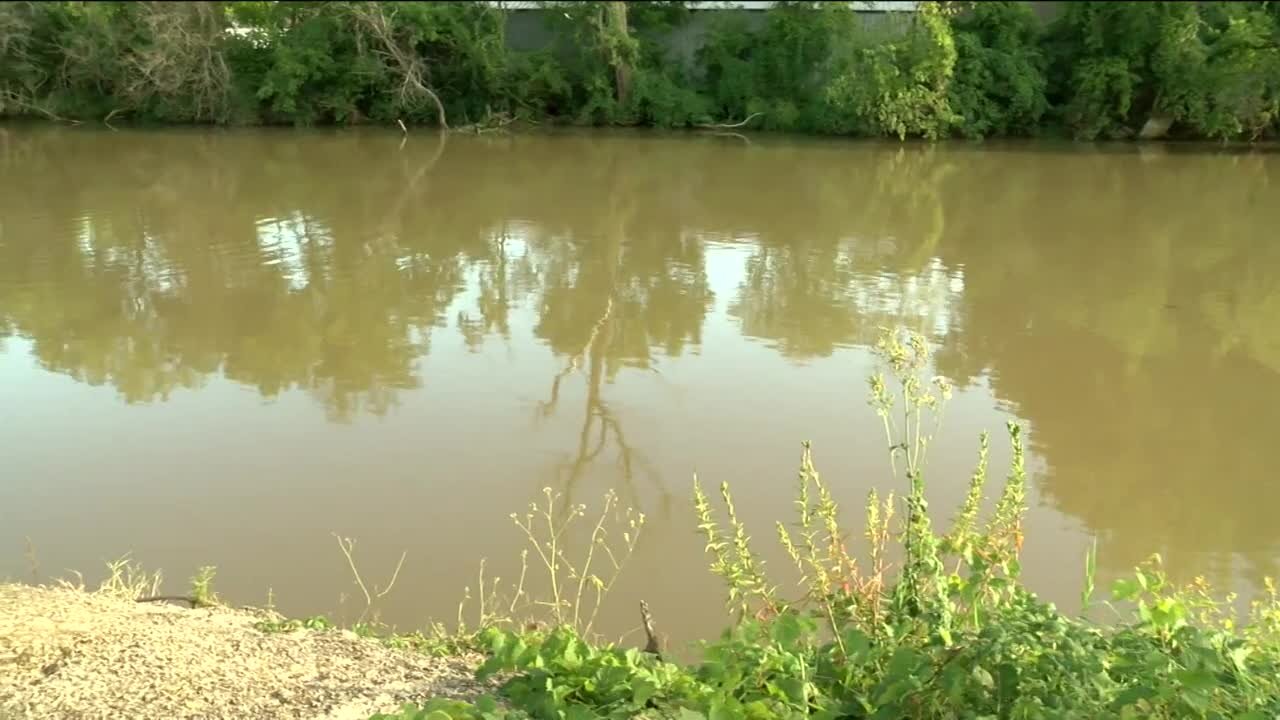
x=373, y=18
x=184, y=58
x=729, y=126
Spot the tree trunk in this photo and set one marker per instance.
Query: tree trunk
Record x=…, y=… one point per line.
x=616, y=26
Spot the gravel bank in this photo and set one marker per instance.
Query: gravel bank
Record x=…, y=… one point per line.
x=71, y=654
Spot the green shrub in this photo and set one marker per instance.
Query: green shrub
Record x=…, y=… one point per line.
x=780, y=70
x=1102, y=69
x=899, y=86
x=999, y=85
x=305, y=68
x=951, y=633
x=1211, y=68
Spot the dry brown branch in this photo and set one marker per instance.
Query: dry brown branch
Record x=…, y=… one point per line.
x=729, y=126
x=107, y=120
x=184, y=58
x=373, y=19
x=14, y=98
x=495, y=122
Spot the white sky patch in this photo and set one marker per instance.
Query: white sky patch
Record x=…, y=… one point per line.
x=929, y=295
x=282, y=242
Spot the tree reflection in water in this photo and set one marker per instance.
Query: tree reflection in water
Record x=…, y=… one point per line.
x=1123, y=303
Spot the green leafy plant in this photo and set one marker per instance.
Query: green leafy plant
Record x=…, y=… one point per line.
x=1000, y=82
x=1209, y=69
x=202, y=593
x=899, y=86
x=950, y=632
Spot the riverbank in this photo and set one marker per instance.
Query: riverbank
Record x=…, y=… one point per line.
x=999, y=69
x=68, y=653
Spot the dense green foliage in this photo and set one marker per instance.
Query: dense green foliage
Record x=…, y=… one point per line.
x=999, y=85
x=1213, y=68
x=1100, y=69
x=949, y=633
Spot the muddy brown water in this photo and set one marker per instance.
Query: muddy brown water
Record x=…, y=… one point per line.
x=218, y=348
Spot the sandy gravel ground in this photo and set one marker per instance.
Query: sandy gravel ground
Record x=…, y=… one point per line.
x=67, y=653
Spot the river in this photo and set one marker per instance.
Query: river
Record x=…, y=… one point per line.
x=221, y=347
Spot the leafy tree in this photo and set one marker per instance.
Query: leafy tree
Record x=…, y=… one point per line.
x=999, y=86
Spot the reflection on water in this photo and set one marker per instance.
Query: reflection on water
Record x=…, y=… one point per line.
x=431, y=331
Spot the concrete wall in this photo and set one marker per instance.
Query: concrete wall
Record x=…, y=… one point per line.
x=527, y=29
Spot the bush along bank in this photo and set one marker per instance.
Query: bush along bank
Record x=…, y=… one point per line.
x=1097, y=70
x=950, y=632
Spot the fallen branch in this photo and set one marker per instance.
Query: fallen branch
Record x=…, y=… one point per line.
x=495, y=126
x=14, y=98
x=439, y=105
x=107, y=120
x=729, y=126
x=495, y=122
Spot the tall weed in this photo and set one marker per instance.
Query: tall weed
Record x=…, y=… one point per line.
x=950, y=632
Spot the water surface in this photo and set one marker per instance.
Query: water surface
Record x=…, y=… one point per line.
x=220, y=347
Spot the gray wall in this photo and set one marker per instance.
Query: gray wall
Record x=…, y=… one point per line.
x=528, y=29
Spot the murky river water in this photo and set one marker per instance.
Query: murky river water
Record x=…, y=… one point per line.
x=218, y=348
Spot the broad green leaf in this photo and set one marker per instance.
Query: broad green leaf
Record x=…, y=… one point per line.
x=793, y=688
x=786, y=631
x=983, y=677
x=642, y=690
x=720, y=712
x=1125, y=589
x=580, y=712
x=1132, y=695
x=1198, y=681
x=856, y=644
x=1239, y=656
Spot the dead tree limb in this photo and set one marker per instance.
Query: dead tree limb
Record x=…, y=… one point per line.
x=374, y=20
x=729, y=126
x=185, y=59
x=14, y=98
